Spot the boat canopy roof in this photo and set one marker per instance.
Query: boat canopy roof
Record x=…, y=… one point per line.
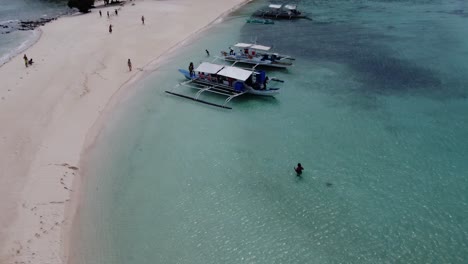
x=243, y=45
x=260, y=47
x=275, y=6
x=290, y=7
x=209, y=68
x=252, y=46
x=235, y=73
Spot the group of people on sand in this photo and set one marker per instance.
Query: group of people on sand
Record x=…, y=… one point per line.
x=129, y=62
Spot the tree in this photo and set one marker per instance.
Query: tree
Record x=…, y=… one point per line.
x=82, y=5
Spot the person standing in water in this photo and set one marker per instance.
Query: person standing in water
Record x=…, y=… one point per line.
x=129, y=63
x=190, y=68
x=142, y=20
x=299, y=169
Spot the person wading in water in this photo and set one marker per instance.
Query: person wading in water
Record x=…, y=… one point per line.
x=190, y=68
x=299, y=169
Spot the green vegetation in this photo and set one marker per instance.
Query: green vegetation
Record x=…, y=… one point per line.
x=82, y=5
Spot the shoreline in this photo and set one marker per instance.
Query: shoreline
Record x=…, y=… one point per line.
x=25, y=45
x=53, y=119
x=28, y=25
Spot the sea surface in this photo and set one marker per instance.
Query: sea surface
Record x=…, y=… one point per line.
x=12, y=12
x=375, y=109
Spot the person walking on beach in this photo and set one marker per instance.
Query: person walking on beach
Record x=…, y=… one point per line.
x=100, y=13
x=142, y=20
x=108, y=16
x=110, y=29
x=116, y=12
x=129, y=63
x=25, y=58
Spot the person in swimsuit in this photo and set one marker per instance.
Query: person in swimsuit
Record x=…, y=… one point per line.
x=129, y=63
x=190, y=68
x=299, y=169
x=25, y=58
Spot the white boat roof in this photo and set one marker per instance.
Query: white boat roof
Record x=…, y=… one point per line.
x=252, y=46
x=235, y=73
x=210, y=68
x=260, y=47
x=290, y=7
x=243, y=45
x=276, y=6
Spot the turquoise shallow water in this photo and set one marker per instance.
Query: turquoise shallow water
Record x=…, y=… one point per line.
x=375, y=109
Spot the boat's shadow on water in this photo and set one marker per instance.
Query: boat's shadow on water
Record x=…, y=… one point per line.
x=252, y=102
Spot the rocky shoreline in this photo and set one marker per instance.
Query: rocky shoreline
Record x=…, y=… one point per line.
x=24, y=25
x=30, y=25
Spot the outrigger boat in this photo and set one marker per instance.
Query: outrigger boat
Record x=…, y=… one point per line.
x=225, y=80
x=279, y=11
x=257, y=55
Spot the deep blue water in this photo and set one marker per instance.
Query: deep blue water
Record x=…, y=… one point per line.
x=375, y=109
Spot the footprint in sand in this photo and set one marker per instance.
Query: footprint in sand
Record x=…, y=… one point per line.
x=68, y=166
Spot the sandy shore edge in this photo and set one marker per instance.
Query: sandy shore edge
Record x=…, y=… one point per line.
x=55, y=118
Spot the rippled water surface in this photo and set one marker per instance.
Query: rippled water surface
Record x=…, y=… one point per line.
x=375, y=109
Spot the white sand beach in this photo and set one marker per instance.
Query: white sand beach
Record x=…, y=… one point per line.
x=47, y=110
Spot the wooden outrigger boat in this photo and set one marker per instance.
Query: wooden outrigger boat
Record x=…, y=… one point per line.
x=258, y=55
x=225, y=80
x=279, y=11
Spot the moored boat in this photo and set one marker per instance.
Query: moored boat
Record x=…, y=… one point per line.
x=257, y=55
x=280, y=11
x=225, y=80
